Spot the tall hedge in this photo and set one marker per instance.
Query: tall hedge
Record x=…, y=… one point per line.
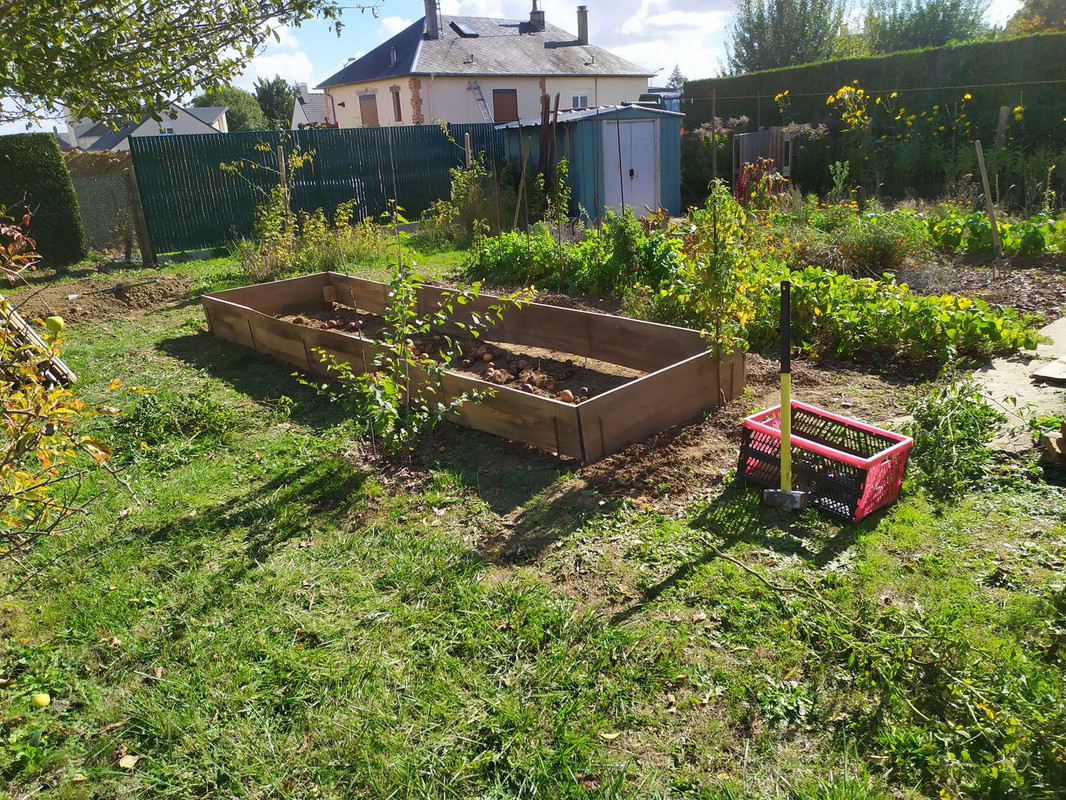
x=922, y=77
x=33, y=174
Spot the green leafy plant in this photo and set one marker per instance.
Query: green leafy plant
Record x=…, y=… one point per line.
x=401, y=394
x=839, y=171
x=952, y=427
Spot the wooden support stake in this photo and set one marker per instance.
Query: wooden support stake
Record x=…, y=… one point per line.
x=996, y=244
x=469, y=148
x=714, y=135
x=522, y=180
x=140, y=227
x=284, y=178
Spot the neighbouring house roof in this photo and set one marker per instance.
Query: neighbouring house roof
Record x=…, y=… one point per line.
x=207, y=114
x=501, y=47
x=110, y=137
x=313, y=105
x=622, y=112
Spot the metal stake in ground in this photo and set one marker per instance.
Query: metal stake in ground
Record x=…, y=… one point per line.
x=784, y=497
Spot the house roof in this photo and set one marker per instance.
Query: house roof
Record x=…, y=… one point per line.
x=567, y=116
x=110, y=138
x=207, y=114
x=313, y=105
x=501, y=47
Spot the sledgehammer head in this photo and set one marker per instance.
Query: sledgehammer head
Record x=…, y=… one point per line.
x=786, y=501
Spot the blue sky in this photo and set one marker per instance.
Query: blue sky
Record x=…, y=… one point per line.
x=653, y=33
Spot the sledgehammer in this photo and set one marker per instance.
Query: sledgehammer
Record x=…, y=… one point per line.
x=785, y=498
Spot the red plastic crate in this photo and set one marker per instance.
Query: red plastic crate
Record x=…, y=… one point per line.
x=849, y=468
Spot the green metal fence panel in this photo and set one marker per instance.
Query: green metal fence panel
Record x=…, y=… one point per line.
x=191, y=203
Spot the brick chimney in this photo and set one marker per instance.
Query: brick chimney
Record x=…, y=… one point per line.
x=582, y=24
x=432, y=20
x=536, y=18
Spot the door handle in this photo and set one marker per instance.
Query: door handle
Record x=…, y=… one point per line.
x=632, y=174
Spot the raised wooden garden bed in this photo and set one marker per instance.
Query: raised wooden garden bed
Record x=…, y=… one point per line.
x=666, y=375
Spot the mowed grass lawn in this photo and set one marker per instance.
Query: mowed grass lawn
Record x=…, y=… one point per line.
x=270, y=615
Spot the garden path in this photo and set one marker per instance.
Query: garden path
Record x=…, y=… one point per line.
x=1015, y=378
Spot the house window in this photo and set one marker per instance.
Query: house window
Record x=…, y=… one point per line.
x=166, y=130
x=368, y=109
x=396, y=113
x=580, y=100
x=504, y=105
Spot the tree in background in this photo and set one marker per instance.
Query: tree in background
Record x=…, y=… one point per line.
x=894, y=25
x=275, y=97
x=242, y=109
x=114, y=61
x=781, y=33
x=676, y=81
x=1038, y=16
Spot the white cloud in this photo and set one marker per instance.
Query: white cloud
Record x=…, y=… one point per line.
x=390, y=26
x=294, y=67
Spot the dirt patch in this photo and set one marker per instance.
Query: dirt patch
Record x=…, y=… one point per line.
x=1036, y=285
x=535, y=370
x=95, y=298
x=678, y=463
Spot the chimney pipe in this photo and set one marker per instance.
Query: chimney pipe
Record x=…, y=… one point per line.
x=432, y=20
x=582, y=24
x=536, y=18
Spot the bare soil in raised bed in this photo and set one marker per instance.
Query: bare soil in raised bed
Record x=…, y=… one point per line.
x=546, y=373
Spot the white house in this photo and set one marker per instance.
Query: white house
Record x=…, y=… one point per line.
x=479, y=69
x=309, y=109
x=89, y=135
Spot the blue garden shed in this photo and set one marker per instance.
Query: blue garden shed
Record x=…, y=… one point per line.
x=619, y=156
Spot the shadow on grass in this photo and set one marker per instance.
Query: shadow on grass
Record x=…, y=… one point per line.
x=529, y=489
x=738, y=517
x=261, y=378
x=270, y=515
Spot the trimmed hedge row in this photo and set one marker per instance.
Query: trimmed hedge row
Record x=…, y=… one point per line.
x=33, y=175
x=955, y=69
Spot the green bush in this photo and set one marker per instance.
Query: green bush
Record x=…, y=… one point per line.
x=33, y=176
x=872, y=244
x=604, y=260
x=516, y=259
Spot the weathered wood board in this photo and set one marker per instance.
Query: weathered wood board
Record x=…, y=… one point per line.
x=682, y=381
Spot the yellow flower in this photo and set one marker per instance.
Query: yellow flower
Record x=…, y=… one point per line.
x=878, y=100
x=1017, y=109
x=967, y=96
x=893, y=96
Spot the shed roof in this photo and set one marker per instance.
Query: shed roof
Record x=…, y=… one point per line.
x=574, y=115
x=500, y=47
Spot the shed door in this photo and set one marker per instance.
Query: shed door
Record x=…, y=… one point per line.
x=631, y=165
x=368, y=109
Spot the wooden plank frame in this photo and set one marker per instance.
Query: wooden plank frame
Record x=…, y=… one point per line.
x=682, y=378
